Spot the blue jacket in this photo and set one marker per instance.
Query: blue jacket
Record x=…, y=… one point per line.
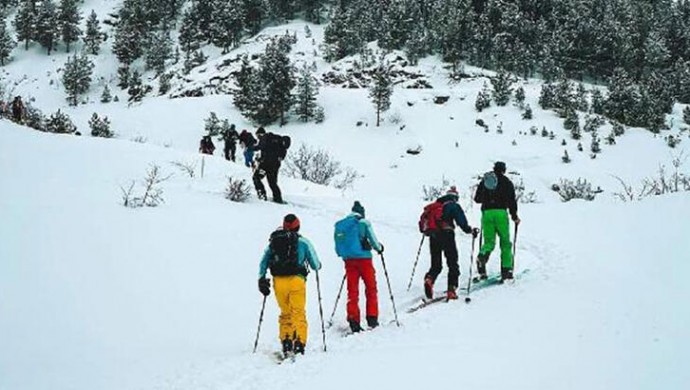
x=305, y=254
x=453, y=213
x=366, y=235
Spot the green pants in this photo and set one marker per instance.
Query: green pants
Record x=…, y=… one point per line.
x=496, y=222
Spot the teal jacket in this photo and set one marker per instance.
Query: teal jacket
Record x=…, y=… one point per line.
x=305, y=254
x=367, y=238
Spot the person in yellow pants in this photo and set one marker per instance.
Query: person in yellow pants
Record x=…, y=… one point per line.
x=287, y=256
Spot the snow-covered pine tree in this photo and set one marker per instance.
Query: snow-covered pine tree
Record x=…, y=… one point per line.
x=227, y=25
x=190, y=38
x=655, y=52
x=106, y=96
x=307, y=90
x=276, y=75
x=132, y=31
x=520, y=96
x=380, y=91
x=164, y=83
x=46, y=32
x=595, y=146
x=566, y=157
x=527, y=114
x=68, y=19
x=623, y=98
x=572, y=124
x=245, y=97
x=396, y=26
x=581, y=102
x=681, y=78
x=100, y=127
x=77, y=77
x=686, y=115
x=341, y=37
x=502, y=87
x=483, y=98
x=60, y=123
x=597, y=106
x=564, y=96
x=547, y=96
x=123, y=77
x=312, y=10
x=194, y=59
x=159, y=51
x=136, y=87
x=212, y=125
x=93, y=37
x=24, y=23
x=253, y=15
x=280, y=10
x=6, y=42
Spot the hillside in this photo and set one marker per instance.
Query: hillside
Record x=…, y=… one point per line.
x=94, y=295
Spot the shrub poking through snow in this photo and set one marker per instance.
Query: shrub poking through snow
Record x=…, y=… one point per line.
x=188, y=168
x=60, y=123
x=317, y=166
x=579, y=189
x=237, y=190
x=100, y=127
x=434, y=191
x=522, y=195
x=152, y=195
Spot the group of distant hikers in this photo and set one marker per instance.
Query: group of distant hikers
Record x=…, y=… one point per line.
x=15, y=110
x=289, y=255
x=263, y=154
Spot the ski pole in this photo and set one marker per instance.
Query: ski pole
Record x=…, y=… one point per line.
x=469, y=282
x=323, y=329
x=388, y=281
x=337, y=299
x=515, y=244
x=414, y=267
x=261, y=319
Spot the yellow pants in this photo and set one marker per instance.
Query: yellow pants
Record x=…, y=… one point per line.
x=291, y=294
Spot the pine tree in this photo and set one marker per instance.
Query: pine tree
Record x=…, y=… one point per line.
x=244, y=98
x=681, y=76
x=502, y=87
x=6, y=42
x=572, y=123
x=341, y=36
x=123, y=77
x=212, y=125
x=160, y=50
x=254, y=12
x=686, y=115
x=190, y=37
x=47, y=25
x=136, y=87
x=276, y=76
x=595, y=146
x=527, y=115
x=100, y=127
x=380, y=91
x=68, y=20
x=520, y=96
x=547, y=96
x=24, y=23
x=566, y=157
x=93, y=37
x=77, y=77
x=106, y=96
x=483, y=98
x=581, y=102
x=227, y=25
x=307, y=90
x=60, y=123
x=597, y=106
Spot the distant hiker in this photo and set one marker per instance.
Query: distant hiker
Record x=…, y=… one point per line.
x=273, y=149
x=287, y=256
x=438, y=222
x=496, y=193
x=18, y=109
x=206, y=145
x=247, y=142
x=3, y=109
x=229, y=138
x=354, y=240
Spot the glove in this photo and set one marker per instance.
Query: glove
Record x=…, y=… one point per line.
x=381, y=250
x=475, y=232
x=516, y=220
x=265, y=286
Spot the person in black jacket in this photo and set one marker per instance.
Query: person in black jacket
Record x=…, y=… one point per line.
x=443, y=241
x=206, y=145
x=496, y=193
x=272, y=151
x=230, y=137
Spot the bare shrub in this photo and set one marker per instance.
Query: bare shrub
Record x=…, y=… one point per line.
x=318, y=166
x=522, y=195
x=580, y=189
x=237, y=190
x=140, y=139
x=188, y=168
x=434, y=191
x=152, y=191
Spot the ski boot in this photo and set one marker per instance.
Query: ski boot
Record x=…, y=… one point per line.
x=372, y=322
x=428, y=287
x=451, y=294
x=481, y=266
x=507, y=275
x=298, y=348
x=355, y=327
x=262, y=195
x=287, y=347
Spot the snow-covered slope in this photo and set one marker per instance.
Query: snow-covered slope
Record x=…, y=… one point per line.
x=96, y=295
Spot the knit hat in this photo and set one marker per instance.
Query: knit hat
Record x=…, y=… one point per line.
x=453, y=191
x=291, y=223
x=260, y=131
x=358, y=208
x=500, y=167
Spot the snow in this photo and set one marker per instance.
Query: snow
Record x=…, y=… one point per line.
x=96, y=295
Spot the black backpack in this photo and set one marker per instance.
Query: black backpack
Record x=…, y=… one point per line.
x=283, y=244
x=277, y=145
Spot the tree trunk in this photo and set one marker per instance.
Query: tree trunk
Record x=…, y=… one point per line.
x=378, y=116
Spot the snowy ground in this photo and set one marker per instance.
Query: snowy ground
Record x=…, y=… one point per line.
x=95, y=295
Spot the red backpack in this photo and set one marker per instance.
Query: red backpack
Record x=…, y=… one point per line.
x=430, y=220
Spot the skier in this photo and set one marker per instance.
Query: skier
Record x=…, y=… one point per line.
x=247, y=142
x=354, y=239
x=442, y=239
x=496, y=193
x=272, y=148
x=229, y=138
x=206, y=145
x=18, y=109
x=287, y=256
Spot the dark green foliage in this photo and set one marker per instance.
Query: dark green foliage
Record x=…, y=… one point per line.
x=527, y=114
x=77, y=77
x=6, y=42
x=597, y=106
x=160, y=50
x=46, y=32
x=595, y=147
x=380, y=91
x=100, y=127
x=24, y=23
x=212, y=125
x=136, y=90
x=483, y=99
x=307, y=90
x=93, y=37
x=106, y=96
x=68, y=19
x=60, y=123
x=502, y=87
x=520, y=96
x=686, y=115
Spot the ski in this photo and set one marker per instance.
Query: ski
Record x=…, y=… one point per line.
x=280, y=357
x=493, y=280
x=426, y=302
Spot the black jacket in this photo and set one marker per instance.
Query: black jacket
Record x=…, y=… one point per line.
x=503, y=197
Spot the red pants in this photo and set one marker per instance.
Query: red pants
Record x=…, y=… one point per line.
x=355, y=269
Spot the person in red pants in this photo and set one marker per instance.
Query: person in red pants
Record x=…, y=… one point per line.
x=354, y=240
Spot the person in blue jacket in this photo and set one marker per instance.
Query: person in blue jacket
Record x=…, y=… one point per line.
x=287, y=256
x=443, y=241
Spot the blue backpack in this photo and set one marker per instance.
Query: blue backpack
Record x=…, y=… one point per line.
x=346, y=236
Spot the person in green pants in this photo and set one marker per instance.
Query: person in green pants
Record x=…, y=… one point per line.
x=496, y=194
